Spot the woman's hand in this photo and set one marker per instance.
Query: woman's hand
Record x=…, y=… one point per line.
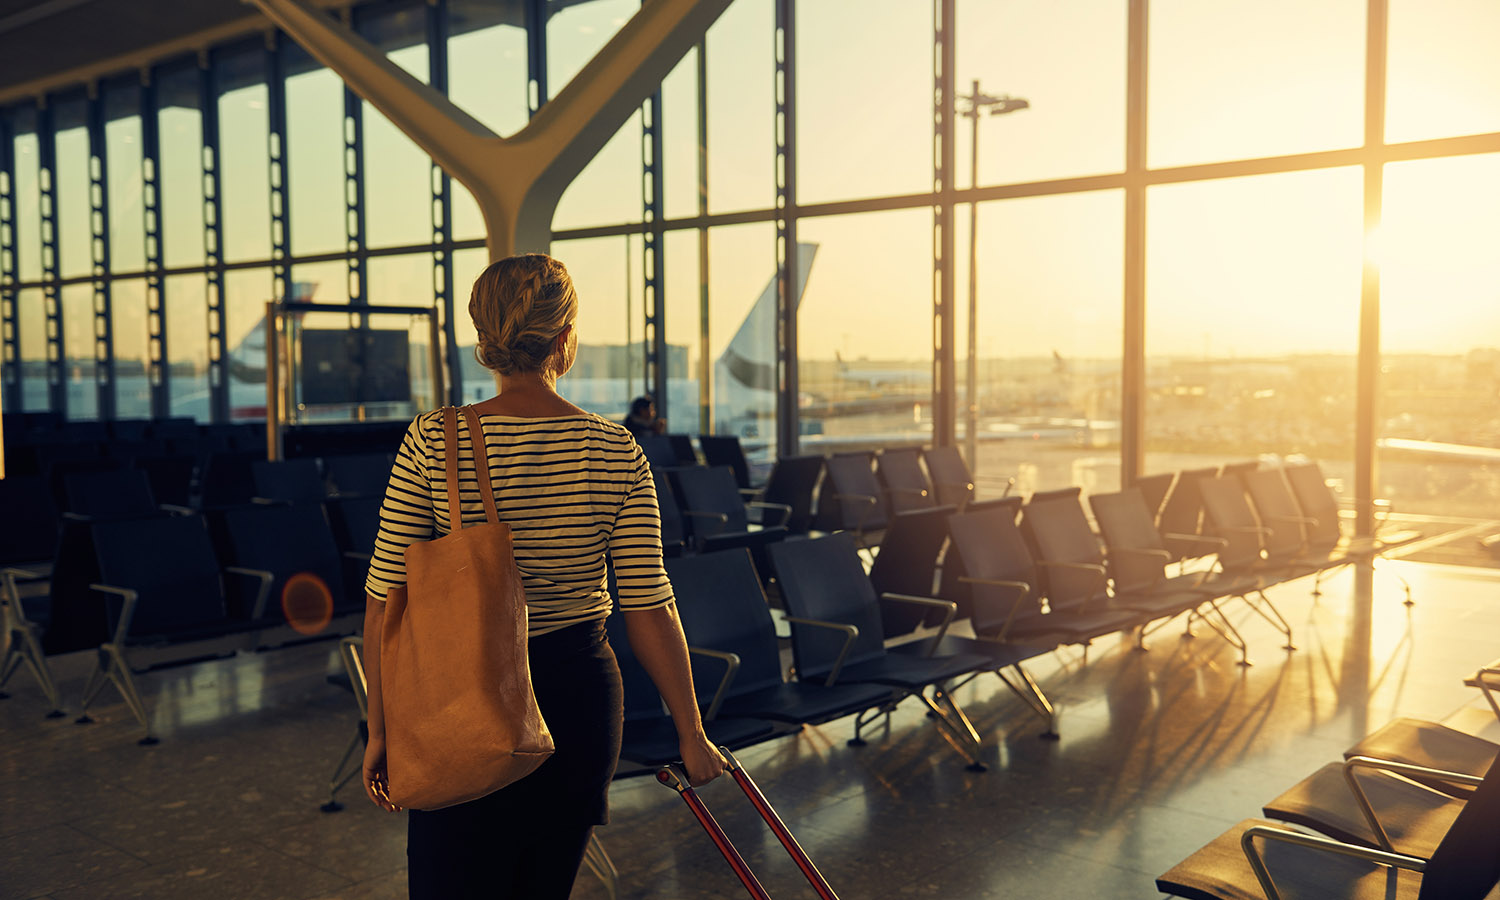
x=702, y=759
x=377, y=784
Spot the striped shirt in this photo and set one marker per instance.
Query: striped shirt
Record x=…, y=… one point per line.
x=571, y=488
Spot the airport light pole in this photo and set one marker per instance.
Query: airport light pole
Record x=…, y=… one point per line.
x=970, y=106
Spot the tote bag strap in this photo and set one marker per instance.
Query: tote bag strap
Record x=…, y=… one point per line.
x=481, y=464
x=450, y=468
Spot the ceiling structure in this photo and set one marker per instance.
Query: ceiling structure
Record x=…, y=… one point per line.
x=53, y=44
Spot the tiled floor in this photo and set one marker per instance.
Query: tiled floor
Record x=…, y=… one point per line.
x=1160, y=751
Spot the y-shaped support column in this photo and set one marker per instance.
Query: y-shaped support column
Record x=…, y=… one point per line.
x=516, y=180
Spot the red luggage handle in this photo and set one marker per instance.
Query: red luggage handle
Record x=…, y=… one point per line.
x=674, y=779
x=671, y=777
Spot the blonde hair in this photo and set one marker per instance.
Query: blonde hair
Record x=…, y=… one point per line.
x=519, y=306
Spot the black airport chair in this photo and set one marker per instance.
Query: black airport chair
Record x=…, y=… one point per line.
x=792, y=483
x=357, y=475
x=837, y=633
x=1256, y=858
x=850, y=490
x=737, y=662
x=288, y=480
x=899, y=470
x=164, y=598
x=725, y=450
x=907, y=564
x=650, y=738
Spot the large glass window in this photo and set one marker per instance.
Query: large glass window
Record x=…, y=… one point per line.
x=1440, y=337
x=32, y=311
x=27, y=193
x=577, y=31
x=687, y=405
x=742, y=334
x=1243, y=78
x=315, y=154
x=1252, y=313
x=608, y=190
x=1068, y=61
x=1049, y=337
x=478, y=382
x=608, y=371
x=245, y=294
x=398, y=174
x=863, y=130
x=127, y=219
x=323, y=282
x=1443, y=79
x=487, y=66
x=487, y=76
x=679, y=135
x=74, y=234
x=181, y=172
x=742, y=108
x=866, y=377
x=244, y=161
x=404, y=280
x=129, y=329
x=185, y=301
x=79, y=368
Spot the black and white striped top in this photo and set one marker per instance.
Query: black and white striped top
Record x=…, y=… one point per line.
x=571, y=489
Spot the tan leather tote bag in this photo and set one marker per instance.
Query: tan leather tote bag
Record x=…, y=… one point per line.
x=461, y=720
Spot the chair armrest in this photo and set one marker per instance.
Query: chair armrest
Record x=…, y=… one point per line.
x=127, y=610
x=1353, y=763
x=965, y=485
x=1021, y=588
x=176, y=510
x=731, y=669
x=262, y=594
x=870, y=503
x=1141, y=551
x=783, y=508
x=1487, y=679
x=1197, y=539
x=77, y=517
x=356, y=555
x=265, y=501
x=1252, y=853
x=1300, y=520
x=916, y=492
x=27, y=573
x=719, y=517
x=1101, y=577
x=1082, y=567
x=851, y=633
x=751, y=493
x=949, y=608
x=350, y=650
x=994, y=582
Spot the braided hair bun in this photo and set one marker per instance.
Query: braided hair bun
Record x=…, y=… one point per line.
x=519, y=306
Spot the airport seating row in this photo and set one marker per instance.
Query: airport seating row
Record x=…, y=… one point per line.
x=1408, y=812
x=150, y=586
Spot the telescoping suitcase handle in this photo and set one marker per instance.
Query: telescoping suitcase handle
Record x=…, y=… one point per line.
x=674, y=778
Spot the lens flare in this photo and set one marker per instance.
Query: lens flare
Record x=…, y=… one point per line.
x=307, y=603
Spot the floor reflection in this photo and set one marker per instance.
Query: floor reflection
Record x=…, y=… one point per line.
x=1159, y=752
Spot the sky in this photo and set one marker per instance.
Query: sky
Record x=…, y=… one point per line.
x=1265, y=265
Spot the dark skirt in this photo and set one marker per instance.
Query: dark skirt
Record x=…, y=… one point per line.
x=528, y=838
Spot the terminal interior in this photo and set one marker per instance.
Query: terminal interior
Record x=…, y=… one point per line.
x=1198, y=341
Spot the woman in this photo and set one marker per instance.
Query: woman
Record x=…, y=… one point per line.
x=573, y=487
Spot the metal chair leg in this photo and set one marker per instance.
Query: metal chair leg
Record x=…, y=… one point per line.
x=598, y=861
x=340, y=778
x=97, y=679
x=1033, y=697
